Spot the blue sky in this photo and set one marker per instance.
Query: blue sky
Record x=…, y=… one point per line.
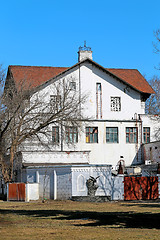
x=49, y=33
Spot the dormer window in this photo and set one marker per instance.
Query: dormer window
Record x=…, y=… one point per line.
x=115, y=104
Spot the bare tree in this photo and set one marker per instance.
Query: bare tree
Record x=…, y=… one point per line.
x=156, y=44
x=153, y=102
x=27, y=114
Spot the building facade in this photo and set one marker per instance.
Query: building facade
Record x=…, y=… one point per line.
x=116, y=125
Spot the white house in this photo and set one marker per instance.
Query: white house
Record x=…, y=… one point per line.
x=117, y=125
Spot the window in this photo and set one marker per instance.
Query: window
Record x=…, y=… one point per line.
x=131, y=135
x=55, y=102
x=99, y=100
x=72, y=86
x=146, y=134
x=112, y=134
x=91, y=134
x=55, y=134
x=115, y=104
x=71, y=134
x=142, y=105
x=143, y=102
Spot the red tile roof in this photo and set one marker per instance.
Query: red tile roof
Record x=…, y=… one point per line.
x=134, y=78
x=35, y=76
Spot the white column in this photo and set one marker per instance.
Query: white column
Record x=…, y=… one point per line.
x=37, y=176
x=55, y=185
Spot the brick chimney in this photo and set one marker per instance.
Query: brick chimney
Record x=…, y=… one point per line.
x=84, y=52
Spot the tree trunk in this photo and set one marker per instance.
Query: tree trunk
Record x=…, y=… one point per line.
x=12, y=152
x=5, y=165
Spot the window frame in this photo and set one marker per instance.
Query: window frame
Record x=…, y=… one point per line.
x=71, y=134
x=112, y=135
x=146, y=134
x=114, y=105
x=55, y=133
x=72, y=85
x=92, y=135
x=131, y=135
x=55, y=103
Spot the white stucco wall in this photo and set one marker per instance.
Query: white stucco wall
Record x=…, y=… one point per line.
x=81, y=174
x=32, y=191
x=93, y=153
x=153, y=122
x=152, y=152
x=86, y=76
x=55, y=157
x=111, y=87
x=117, y=192
x=64, y=183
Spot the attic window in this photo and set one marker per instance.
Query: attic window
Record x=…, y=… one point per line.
x=115, y=104
x=72, y=86
x=55, y=103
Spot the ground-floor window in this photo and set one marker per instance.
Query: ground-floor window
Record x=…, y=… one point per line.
x=146, y=134
x=91, y=134
x=131, y=135
x=112, y=134
x=55, y=134
x=71, y=134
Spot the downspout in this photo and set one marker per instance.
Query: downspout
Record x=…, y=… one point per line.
x=61, y=124
x=61, y=137
x=136, y=145
x=141, y=136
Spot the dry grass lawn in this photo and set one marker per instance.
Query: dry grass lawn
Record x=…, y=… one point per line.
x=75, y=220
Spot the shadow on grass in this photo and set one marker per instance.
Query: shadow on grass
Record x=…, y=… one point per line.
x=112, y=219
x=146, y=205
